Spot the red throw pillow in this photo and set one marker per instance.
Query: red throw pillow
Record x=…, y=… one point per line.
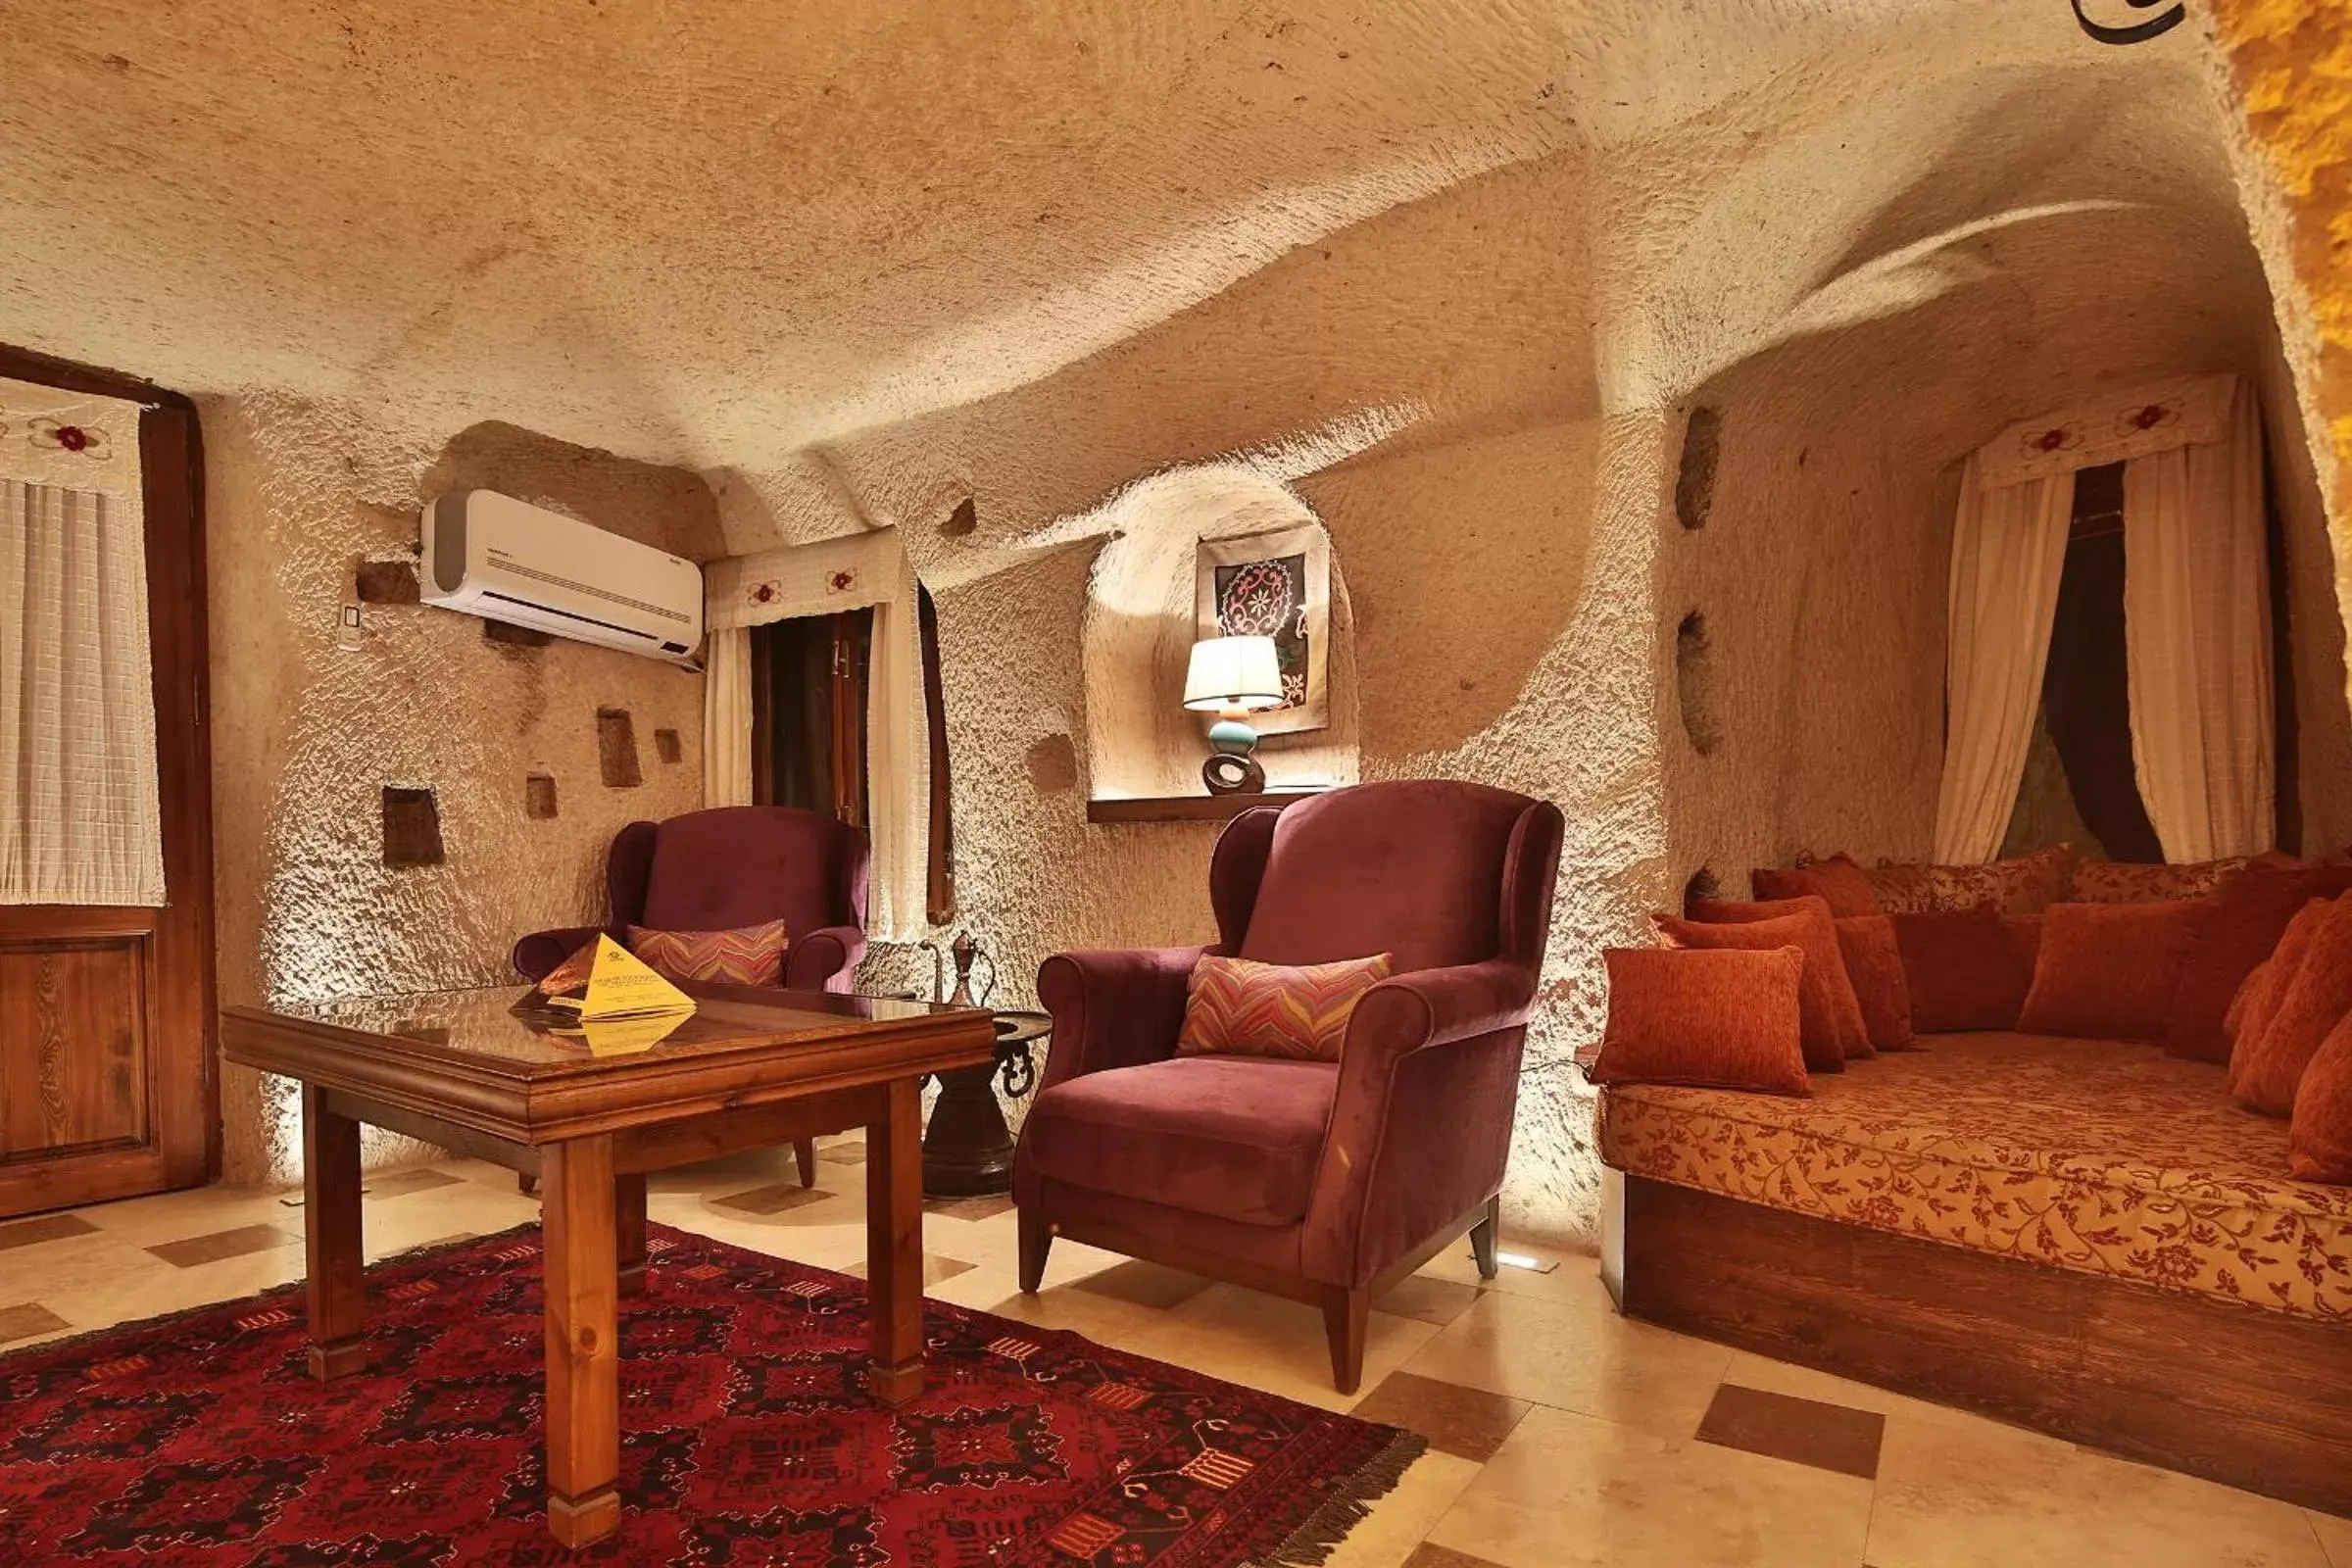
x=2131, y=882
x=1873, y=962
x=2024, y=935
x=1829, y=1018
x=2267, y=1065
x=749, y=955
x=2025, y=885
x=2250, y=913
x=2258, y=998
x=2106, y=970
x=1837, y=879
x=1880, y=1014
x=1240, y=1007
x=1963, y=970
x=1719, y=1018
x=2320, y=1139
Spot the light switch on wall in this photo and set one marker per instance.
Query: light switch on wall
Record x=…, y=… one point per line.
x=348, y=630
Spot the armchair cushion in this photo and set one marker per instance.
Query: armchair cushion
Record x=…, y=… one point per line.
x=1233, y=1137
x=748, y=956
x=1239, y=1008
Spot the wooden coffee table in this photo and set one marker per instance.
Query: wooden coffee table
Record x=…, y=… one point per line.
x=751, y=1067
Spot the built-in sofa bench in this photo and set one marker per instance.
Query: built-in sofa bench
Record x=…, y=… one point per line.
x=2084, y=1237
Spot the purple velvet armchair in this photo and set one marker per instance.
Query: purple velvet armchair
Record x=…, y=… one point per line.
x=731, y=867
x=1325, y=1183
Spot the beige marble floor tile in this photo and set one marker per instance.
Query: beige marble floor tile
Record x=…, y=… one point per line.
x=175, y=1217
x=1102, y=1320
x=63, y=1272
x=2336, y=1537
x=1570, y=1489
x=29, y=1320
x=1753, y=1371
x=1569, y=1279
x=1989, y=1496
x=1576, y=1353
x=1431, y=1300
x=1268, y=1342
x=1398, y=1522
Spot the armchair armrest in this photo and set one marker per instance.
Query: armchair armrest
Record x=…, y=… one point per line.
x=540, y=952
x=825, y=960
x=1113, y=1008
x=1421, y=1122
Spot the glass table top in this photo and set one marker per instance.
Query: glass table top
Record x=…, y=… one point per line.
x=487, y=1025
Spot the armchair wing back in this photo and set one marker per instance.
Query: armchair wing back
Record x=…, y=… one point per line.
x=731, y=867
x=1317, y=1182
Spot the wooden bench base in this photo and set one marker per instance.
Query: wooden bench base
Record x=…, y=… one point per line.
x=2240, y=1395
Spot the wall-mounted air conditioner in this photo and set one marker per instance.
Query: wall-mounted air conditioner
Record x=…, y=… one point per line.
x=495, y=557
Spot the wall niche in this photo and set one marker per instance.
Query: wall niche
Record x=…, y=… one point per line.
x=1694, y=683
x=1695, y=480
x=412, y=827
x=616, y=749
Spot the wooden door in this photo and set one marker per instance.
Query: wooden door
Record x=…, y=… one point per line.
x=106, y=1083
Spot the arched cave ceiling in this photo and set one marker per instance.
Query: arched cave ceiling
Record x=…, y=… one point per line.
x=857, y=261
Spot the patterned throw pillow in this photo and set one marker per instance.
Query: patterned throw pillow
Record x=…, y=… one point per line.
x=2027, y=885
x=1238, y=1007
x=749, y=955
x=2123, y=882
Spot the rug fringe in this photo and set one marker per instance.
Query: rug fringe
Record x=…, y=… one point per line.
x=1313, y=1541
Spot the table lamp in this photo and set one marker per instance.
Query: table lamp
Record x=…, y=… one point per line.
x=1233, y=678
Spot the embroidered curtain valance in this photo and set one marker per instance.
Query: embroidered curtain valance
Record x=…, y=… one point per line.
x=69, y=439
x=2111, y=427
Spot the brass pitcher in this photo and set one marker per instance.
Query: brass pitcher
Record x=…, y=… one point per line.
x=967, y=952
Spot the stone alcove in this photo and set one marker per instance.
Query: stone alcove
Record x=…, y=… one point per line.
x=1139, y=630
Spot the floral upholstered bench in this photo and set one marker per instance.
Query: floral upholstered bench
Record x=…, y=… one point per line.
x=2084, y=1236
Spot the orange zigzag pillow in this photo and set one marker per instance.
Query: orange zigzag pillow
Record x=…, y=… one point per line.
x=1239, y=1007
x=749, y=955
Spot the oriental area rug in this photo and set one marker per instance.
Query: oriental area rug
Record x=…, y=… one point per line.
x=748, y=1436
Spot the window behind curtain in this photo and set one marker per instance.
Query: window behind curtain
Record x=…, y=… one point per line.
x=809, y=706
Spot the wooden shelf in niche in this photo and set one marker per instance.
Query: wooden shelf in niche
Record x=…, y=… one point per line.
x=1188, y=807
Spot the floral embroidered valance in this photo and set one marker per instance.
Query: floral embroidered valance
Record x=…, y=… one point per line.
x=2110, y=427
x=813, y=579
x=69, y=439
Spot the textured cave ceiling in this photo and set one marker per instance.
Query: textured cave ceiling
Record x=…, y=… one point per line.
x=1073, y=243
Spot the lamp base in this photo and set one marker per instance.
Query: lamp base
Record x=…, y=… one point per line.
x=1228, y=775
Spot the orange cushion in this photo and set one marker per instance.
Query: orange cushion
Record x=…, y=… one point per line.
x=2268, y=1062
x=2132, y=882
x=1717, y=1019
x=2106, y=971
x=2250, y=913
x=1241, y=1007
x=1866, y=948
x=2025, y=885
x=1845, y=885
x=750, y=955
x=2320, y=1139
x=1963, y=970
x=1829, y=1018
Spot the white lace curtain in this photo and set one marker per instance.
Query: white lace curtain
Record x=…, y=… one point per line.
x=80, y=820
x=2197, y=608
x=857, y=573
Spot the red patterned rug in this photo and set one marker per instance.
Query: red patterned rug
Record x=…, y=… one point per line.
x=748, y=1436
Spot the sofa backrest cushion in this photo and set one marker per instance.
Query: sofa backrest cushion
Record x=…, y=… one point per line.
x=2267, y=1065
x=2106, y=971
x=2250, y=913
x=1963, y=969
x=1413, y=868
x=1845, y=885
x=739, y=865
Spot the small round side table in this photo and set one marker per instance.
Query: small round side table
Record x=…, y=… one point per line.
x=967, y=1150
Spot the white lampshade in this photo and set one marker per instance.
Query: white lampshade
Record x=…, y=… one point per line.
x=1233, y=673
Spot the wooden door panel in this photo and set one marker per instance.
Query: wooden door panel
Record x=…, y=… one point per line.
x=105, y=1014
x=73, y=1073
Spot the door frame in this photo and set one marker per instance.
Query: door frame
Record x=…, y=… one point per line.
x=183, y=1149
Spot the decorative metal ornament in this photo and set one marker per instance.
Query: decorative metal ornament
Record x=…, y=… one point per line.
x=2138, y=31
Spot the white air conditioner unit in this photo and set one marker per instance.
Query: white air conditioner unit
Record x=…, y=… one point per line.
x=495, y=557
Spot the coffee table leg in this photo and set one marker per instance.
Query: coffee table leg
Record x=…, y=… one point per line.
x=331, y=1192
x=628, y=1199
x=581, y=1232
x=894, y=1244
